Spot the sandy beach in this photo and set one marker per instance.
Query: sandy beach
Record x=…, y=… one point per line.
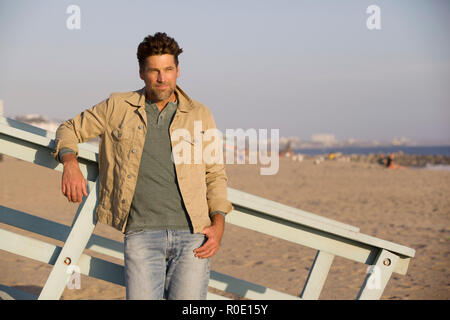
x=410, y=207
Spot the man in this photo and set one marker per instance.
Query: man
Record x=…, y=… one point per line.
x=172, y=214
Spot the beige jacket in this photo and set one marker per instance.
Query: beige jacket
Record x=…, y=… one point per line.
x=121, y=123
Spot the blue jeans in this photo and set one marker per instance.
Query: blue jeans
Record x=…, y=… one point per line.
x=161, y=264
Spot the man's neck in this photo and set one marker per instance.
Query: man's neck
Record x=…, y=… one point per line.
x=163, y=103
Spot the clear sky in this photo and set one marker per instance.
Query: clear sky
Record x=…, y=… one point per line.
x=303, y=67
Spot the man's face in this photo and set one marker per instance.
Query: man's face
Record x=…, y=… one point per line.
x=160, y=76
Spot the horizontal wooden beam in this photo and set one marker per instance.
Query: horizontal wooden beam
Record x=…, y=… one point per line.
x=353, y=246
x=58, y=231
x=41, y=155
x=269, y=207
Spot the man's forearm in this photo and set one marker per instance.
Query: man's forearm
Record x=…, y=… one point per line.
x=216, y=189
x=218, y=219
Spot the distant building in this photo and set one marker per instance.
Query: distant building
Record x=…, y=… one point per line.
x=324, y=138
x=399, y=141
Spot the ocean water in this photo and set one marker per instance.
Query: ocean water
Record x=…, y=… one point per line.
x=416, y=150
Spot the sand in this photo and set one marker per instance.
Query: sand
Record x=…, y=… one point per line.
x=407, y=206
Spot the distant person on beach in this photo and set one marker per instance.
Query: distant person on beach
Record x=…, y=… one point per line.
x=389, y=162
x=172, y=215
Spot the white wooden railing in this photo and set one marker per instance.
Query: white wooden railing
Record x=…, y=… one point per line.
x=329, y=237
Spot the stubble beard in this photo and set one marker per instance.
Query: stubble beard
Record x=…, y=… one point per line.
x=160, y=95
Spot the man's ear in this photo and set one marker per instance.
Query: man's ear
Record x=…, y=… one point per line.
x=141, y=75
x=178, y=70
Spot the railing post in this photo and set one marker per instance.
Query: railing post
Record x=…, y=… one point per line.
x=73, y=248
x=378, y=276
x=317, y=275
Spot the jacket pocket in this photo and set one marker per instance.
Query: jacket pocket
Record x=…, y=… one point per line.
x=121, y=135
x=122, y=140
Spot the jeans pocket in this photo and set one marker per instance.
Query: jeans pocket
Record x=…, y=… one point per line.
x=200, y=236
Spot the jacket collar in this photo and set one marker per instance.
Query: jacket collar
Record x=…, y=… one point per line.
x=185, y=103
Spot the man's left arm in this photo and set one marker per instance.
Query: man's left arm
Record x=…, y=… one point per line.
x=216, y=178
x=216, y=195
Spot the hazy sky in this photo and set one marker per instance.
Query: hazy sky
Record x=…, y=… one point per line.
x=303, y=67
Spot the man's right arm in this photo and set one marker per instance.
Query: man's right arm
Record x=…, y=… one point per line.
x=87, y=125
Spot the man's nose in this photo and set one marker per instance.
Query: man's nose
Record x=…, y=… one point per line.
x=161, y=77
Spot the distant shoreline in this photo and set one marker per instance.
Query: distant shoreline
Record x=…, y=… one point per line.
x=409, y=150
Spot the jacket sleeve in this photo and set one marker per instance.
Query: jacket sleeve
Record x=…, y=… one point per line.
x=85, y=126
x=216, y=179
x=64, y=151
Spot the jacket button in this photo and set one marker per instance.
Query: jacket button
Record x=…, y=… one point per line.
x=129, y=176
x=123, y=200
x=134, y=150
x=140, y=126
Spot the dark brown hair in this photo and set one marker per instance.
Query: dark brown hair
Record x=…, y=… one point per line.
x=158, y=44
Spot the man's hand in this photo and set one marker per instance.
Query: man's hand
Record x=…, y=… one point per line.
x=73, y=183
x=214, y=234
